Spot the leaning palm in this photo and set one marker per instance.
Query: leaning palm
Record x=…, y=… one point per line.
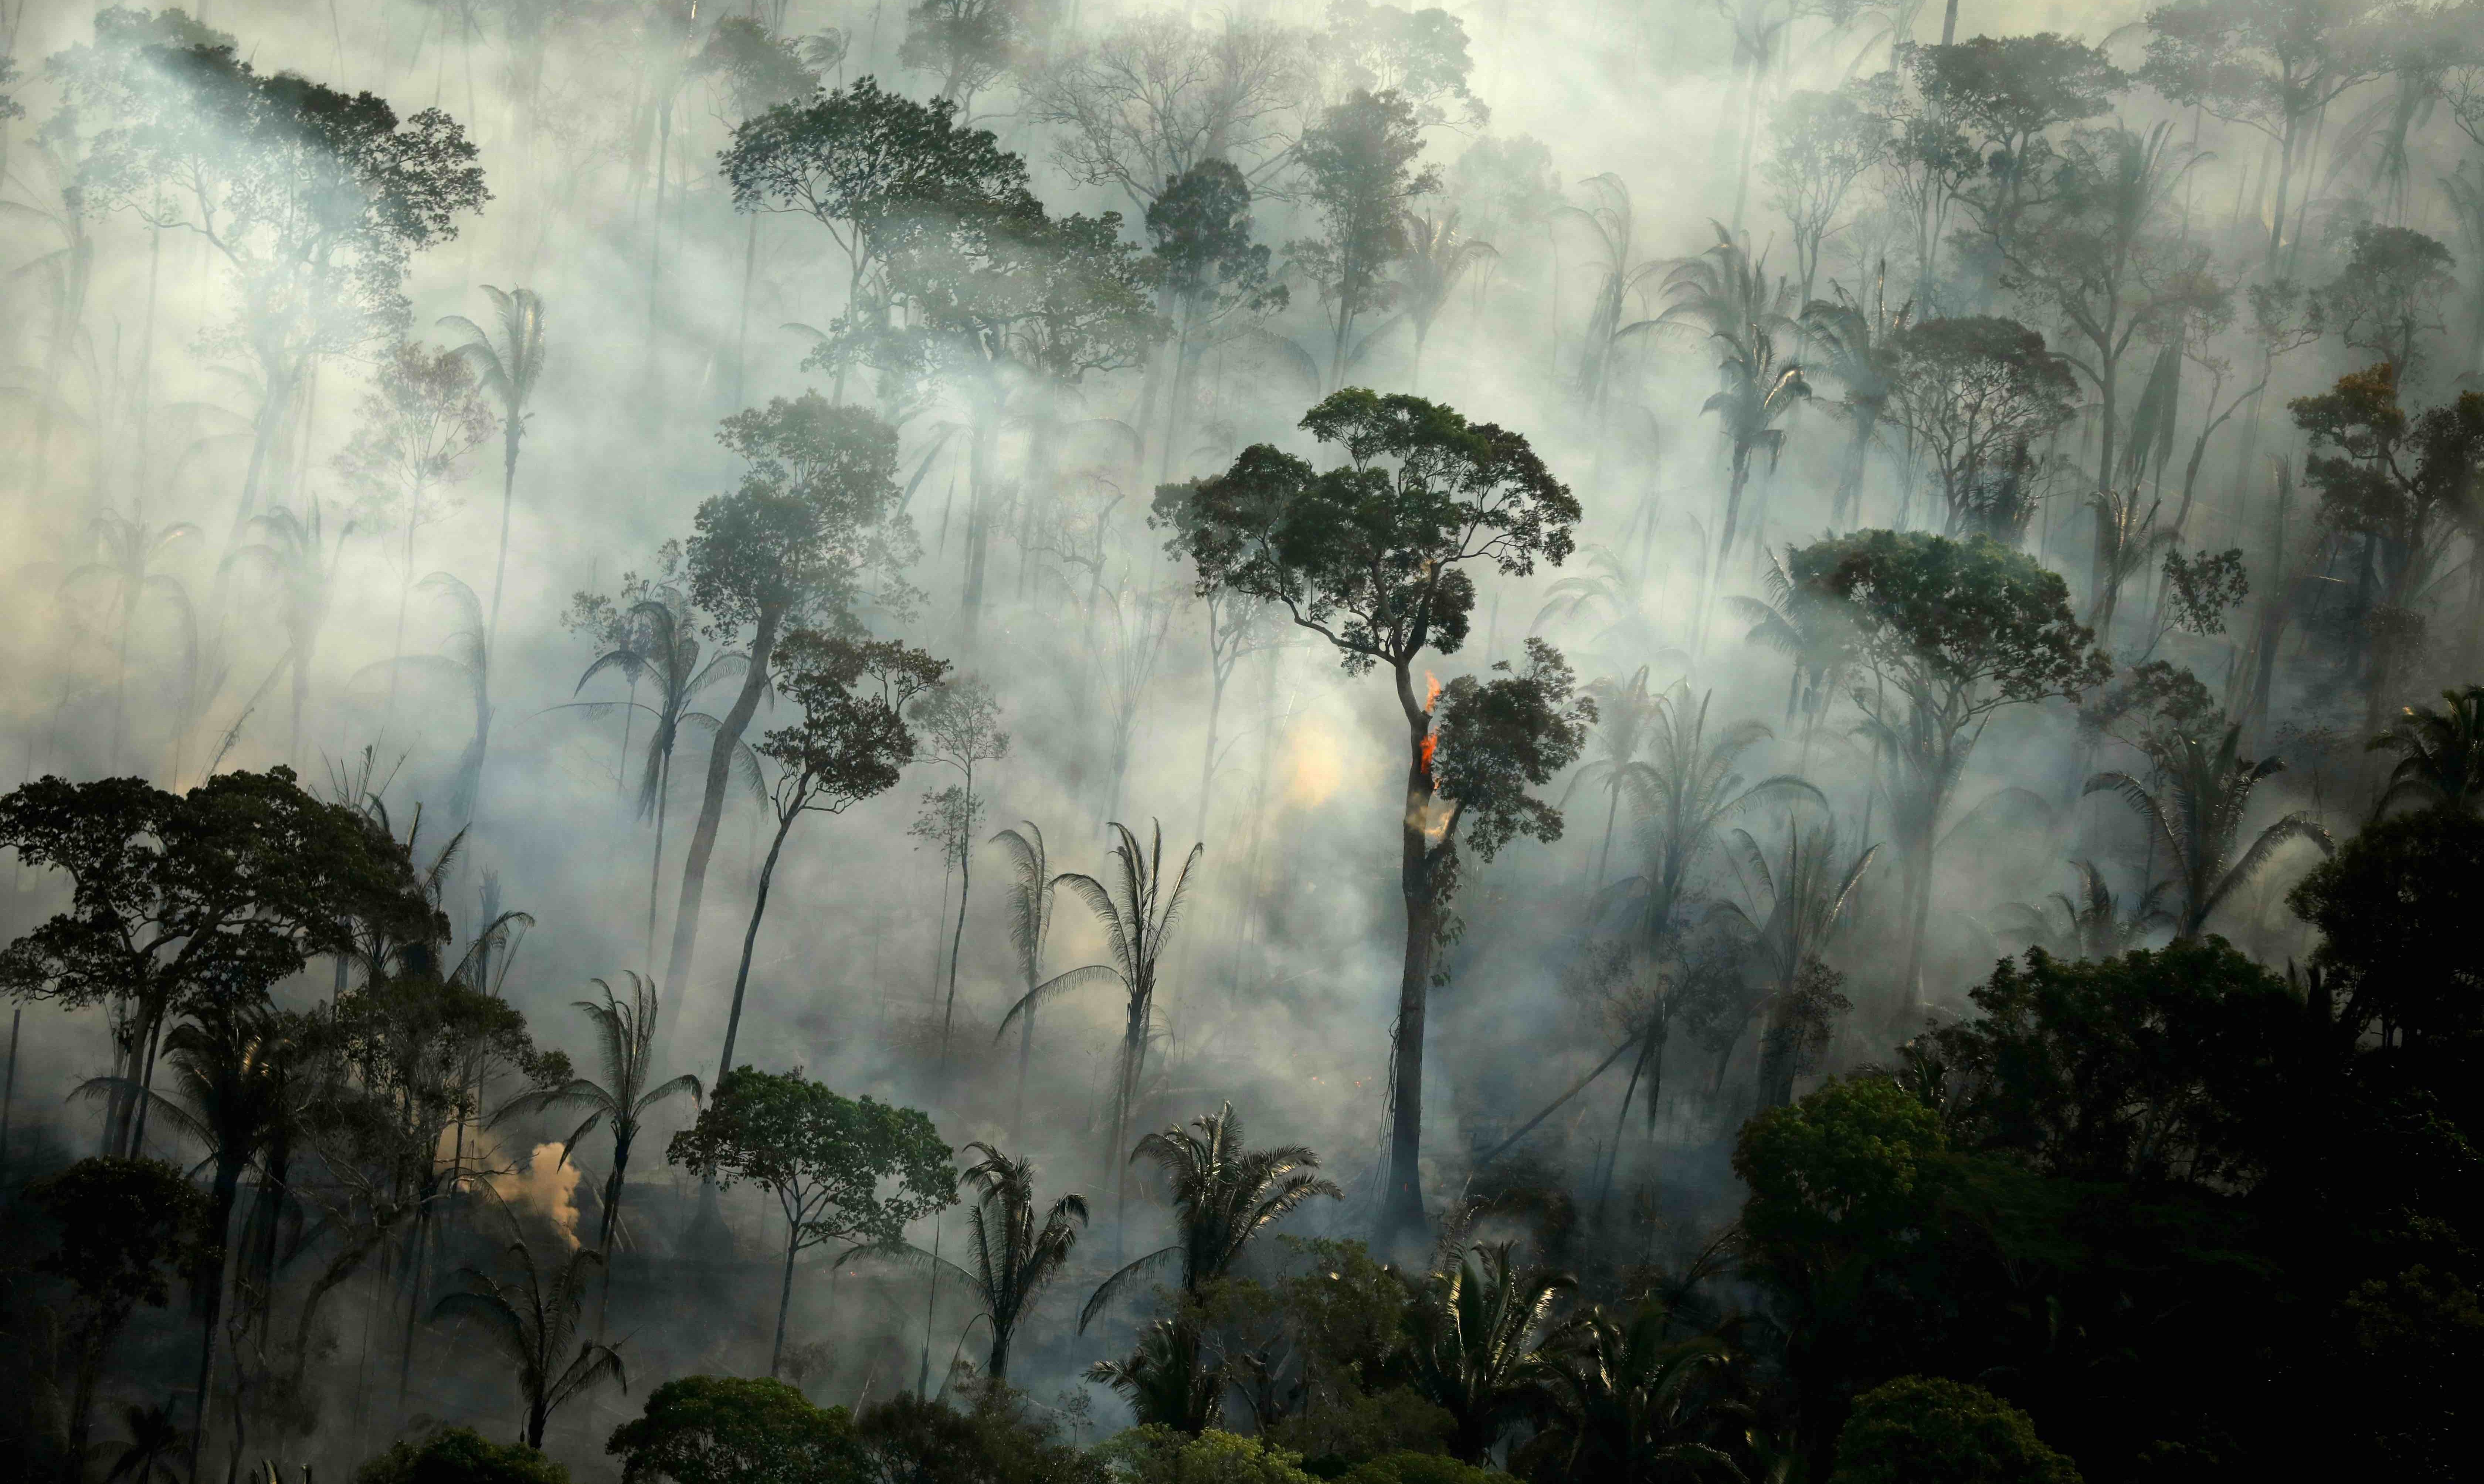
x=1855, y=343
x=1631, y=1403
x=1624, y=713
x=624, y=1035
x=1727, y=294
x=1438, y=256
x=508, y=371
x=2441, y=760
x=1224, y=1194
x=1472, y=1334
x=2198, y=820
x=1030, y=908
x=292, y=556
x=656, y=644
x=1016, y=1253
x=534, y=1325
x=1137, y=913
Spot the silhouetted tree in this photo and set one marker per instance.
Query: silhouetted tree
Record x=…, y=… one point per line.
x=1016, y=1253
x=1472, y=1335
x=960, y=722
x=532, y=1323
x=1359, y=172
x=1725, y=294
x=737, y=1430
x=2198, y=815
x=2440, y=759
x=508, y=372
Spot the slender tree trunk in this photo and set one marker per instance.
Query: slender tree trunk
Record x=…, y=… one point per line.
x=1402, y=1215
x=742, y=327
x=500, y=562
x=958, y=935
x=784, y=1301
x=656, y=863
x=750, y=939
x=982, y=450
x=719, y=777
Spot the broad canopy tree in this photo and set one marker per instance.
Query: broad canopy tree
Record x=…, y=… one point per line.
x=844, y=1170
x=1974, y=393
x=1374, y=556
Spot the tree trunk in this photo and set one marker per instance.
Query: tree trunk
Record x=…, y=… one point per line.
x=501, y=563
x=784, y=1301
x=1401, y=1213
x=958, y=935
x=719, y=777
x=656, y=863
x=982, y=449
x=750, y=939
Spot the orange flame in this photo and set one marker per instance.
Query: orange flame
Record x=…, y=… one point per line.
x=1429, y=743
x=1431, y=697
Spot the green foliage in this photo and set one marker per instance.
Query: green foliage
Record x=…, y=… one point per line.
x=1925, y=1430
x=1498, y=737
x=910, y=1441
x=1845, y=1168
x=1152, y=1454
x=817, y=510
x=1359, y=173
x=1354, y=1427
x=2441, y=752
x=1471, y=1336
x=2384, y=906
x=824, y=1156
x=459, y=1455
x=1975, y=393
x=124, y=1227
x=1413, y=1468
x=735, y=1430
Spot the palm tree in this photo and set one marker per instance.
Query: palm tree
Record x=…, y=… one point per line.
x=1684, y=791
x=1856, y=343
x=2092, y=925
x=1617, y=279
x=1472, y=1334
x=2441, y=753
x=153, y=1449
x=1629, y=1402
x=1726, y=293
x=1797, y=625
x=1014, y=1257
x=464, y=661
x=624, y=1035
x=508, y=372
x=1167, y=1381
x=126, y=551
x=294, y=557
x=1436, y=256
x=1224, y=1194
x=2198, y=820
x=1030, y=917
x=1616, y=591
x=534, y=1325
x=1797, y=907
x=1138, y=926
x=657, y=643
x=1624, y=712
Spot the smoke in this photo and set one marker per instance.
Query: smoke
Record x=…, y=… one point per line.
x=544, y=1187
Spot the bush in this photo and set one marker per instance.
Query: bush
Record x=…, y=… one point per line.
x=460, y=1455
x=1420, y=1469
x=1159, y=1455
x=1924, y=1430
x=729, y=1430
x=1356, y=1428
x=907, y=1440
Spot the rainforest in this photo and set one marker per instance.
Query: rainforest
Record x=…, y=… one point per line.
x=1149, y=742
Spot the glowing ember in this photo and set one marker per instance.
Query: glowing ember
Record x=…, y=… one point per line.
x=1430, y=744
x=1431, y=697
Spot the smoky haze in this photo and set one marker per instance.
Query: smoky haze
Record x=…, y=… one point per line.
x=1588, y=151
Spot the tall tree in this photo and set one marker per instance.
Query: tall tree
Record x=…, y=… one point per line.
x=508, y=371
x=1826, y=142
x=1974, y=394
x=1016, y=1254
x=849, y=744
x=295, y=557
x=1855, y=342
x=818, y=512
x=843, y=1170
x=1210, y=275
x=1156, y=97
x=2197, y=816
x=1950, y=633
x=1726, y=293
x=625, y=1045
x=1031, y=888
x=1373, y=557
x=1358, y=174
x=533, y=1322
x=960, y=722
x=313, y=200
x=968, y=44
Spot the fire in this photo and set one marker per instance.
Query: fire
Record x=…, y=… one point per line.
x=1431, y=697
x=1430, y=743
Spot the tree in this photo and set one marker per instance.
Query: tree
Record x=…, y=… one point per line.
x=1137, y=912
x=423, y=415
x=154, y=1441
x=2198, y=818
x=1726, y=293
x=2092, y=925
x=1631, y=1401
x=1419, y=54
x=126, y=550
x=1826, y=142
x=1168, y=1381
x=1471, y=1335
x=1210, y=274
x=625, y=1036
x=1223, y=1195
x=1358, y=170
x=1857, y=341
x=737, y=1430
x=869, y=166
x=1807, y=896
x=1156, y=98
x=2441, y=753
x=2007, y=94
x=1372, y=556
x=1016, y=1257
x=2272, y=66
x=825, y=1157
x=1438, y=256
x=817, y=512
x=2395, y=481
x=532, y=1325
x=1925, y=1430
x=312, y=200
x=508, y=372
x=969, y=43
x=961, y=726
x=125, y=1224
x=1950, y=632
x=849, y=744
x=1975, y=394
x=2393, y=291
x=1618, y=279
x=2383, y=906
x=1682, y=795
x=1032, y=884
x=179, y=901
x=460, y=1455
